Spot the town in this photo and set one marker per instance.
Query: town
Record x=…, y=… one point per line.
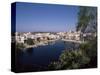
x=34, y=39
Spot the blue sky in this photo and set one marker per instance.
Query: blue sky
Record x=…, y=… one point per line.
x=33, y=17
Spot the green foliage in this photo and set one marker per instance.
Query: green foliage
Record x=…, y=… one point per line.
x=90, y=48
x=29, y=41
x=20, y=46
x=73, y=59
x=85, y=17
x=38, y=39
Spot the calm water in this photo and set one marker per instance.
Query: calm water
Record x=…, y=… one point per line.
x=38, y=58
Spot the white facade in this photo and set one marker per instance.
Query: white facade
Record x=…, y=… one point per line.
x=44, y=36
x=20, y=39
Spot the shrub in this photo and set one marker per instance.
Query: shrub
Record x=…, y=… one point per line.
x=20, y=46
x=29, y=41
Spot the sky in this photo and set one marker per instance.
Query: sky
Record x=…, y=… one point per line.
x=35, y=17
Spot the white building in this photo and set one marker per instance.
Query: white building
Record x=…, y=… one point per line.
x=20, y=39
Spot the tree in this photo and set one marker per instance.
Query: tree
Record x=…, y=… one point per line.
x=90, y=50
x=87, y=19
x=29, y=41
x=20, y=46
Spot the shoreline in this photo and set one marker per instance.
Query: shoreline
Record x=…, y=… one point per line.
x=44, y=43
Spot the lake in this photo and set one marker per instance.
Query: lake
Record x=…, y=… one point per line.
x=38, y=58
